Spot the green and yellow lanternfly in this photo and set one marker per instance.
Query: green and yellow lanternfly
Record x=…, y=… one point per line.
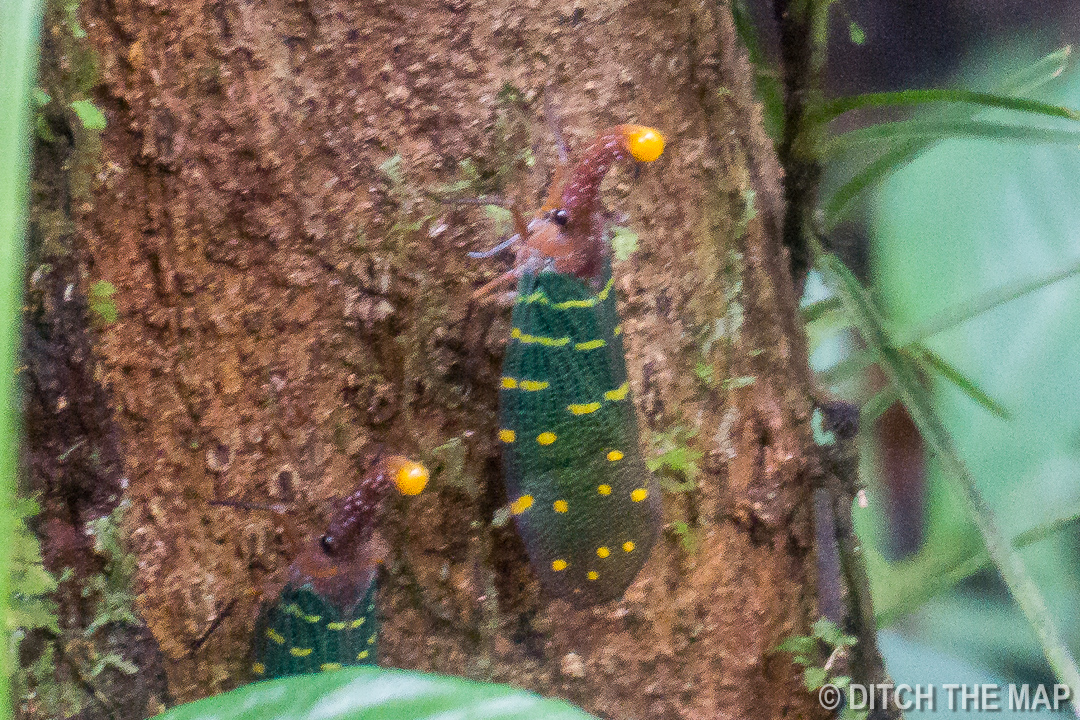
x=584, y=502
x=325, y=616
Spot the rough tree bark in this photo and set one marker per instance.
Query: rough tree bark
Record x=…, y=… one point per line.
x=289, y=301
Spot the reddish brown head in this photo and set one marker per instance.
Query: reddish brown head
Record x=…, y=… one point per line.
x=340, y=564
x=573, y=210
x=567, y=235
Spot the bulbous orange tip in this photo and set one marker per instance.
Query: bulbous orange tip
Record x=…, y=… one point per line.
x=645, y=143
x=410, y=477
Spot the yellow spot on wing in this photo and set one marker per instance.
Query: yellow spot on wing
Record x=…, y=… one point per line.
x=639, y=494
x=558, y=565
x=507, y=436
x=602, y=552
x=330, y=667
x=522, y=504
x=618, y=330
x=335, y=626
x=363, y=654
x=259, y=668
x=590, y=345
x=300, y=652
x=546, y=438
x=584, y=409
x=537, y=296
x=614, y=456
x=275, y=636
x=371, y=640
x=533, y=385
x=618, y=393
x=603, y=489
x=538, y=339
x=540, y=297
x=593, y=575
x=628, y=546
x=560, y=506
x=298, y=612
x=509, y=383
x=357, y=623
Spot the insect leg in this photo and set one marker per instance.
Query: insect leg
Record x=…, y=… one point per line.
x=507, y=279
x=498, y=248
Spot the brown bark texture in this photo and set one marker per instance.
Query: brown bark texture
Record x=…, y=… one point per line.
x=291, y=300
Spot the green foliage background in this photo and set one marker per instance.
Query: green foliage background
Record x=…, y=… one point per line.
x=975, y=250
x=968, y=218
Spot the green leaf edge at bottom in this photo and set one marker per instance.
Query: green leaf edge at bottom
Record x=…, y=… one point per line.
x=360, y=693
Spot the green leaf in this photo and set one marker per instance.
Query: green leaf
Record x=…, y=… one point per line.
x=89, y=115
x=40, y=97
x=920, y=587
x=814, y=677
x=932, y=361
x=687, y=537
x=876, y=406
x=840, y=203
x=856, y=33
x=392, y=170
x=101, y=303
x=934, y=130
x=369, y=693
x=624, y=242
x=679, y=459
x=798, y=645
x=704, y=372
x=839, y=106
x=32, y=580
x=822, y=308
x=71, y=10
x=826, y=630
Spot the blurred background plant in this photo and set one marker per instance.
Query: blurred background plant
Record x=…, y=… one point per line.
x=959, y=220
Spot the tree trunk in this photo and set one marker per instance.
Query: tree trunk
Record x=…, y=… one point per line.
x=291, y=300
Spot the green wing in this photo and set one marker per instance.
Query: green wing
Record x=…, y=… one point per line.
x=585, y=505
x=302, y=632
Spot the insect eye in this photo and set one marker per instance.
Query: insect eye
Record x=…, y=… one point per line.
x=326, y=542
x=561, y=217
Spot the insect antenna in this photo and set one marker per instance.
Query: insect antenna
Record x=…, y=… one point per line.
x=277, y=508
x=480, y=200
x=516, y=237
x=552, y=120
